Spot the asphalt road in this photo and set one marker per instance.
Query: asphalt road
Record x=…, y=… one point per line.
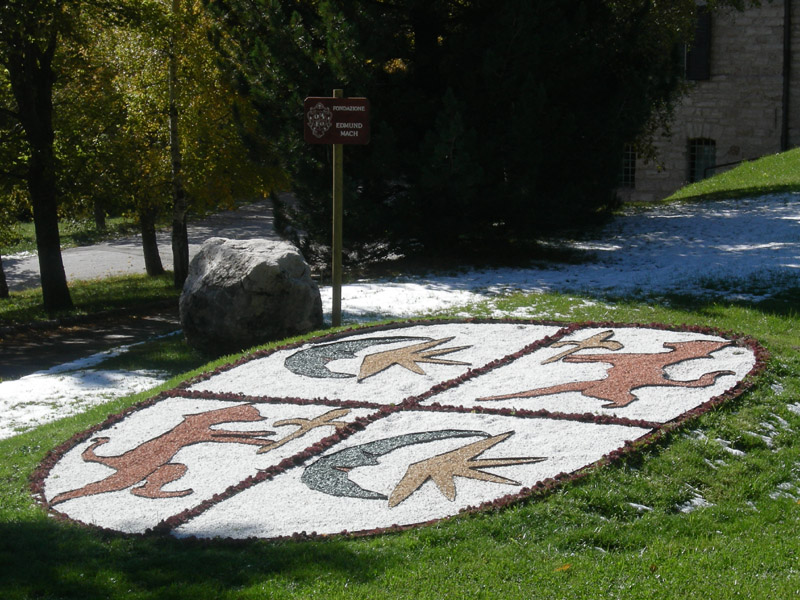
x=124, y=256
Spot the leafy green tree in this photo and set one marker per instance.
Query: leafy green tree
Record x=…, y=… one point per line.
x=12, y=173
x=29, y=37
x=40, y=41
x=91, y=95
x=88, y=124
x=180, y=203
x=182, y=127
x=491, y=122
x=7, y=220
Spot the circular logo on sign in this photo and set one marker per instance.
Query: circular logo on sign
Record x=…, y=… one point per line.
x=319, y=119
x=388, y=426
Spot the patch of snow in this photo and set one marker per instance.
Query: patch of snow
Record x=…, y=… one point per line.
x=764, y=438
x=786, y=490
x=734, y=249
x=726, y=445
x=66, y=390
x=781, y=421
x=693, y=504
x=696, y=434
x=746, y=247
x=43, y=397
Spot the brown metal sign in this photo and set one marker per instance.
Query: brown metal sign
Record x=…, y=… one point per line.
x=336, y=120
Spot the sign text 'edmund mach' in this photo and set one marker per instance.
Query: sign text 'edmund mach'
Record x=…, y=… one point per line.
x=336, y=120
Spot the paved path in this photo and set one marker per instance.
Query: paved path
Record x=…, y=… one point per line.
x=28, y=351
x=124, y=256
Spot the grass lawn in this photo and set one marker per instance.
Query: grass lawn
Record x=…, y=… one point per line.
x=770, y=174
x=618, y=533
x=91, y=297
x=72, y=233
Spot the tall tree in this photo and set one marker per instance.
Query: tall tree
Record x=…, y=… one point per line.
x=29, y=37
x=7, y=221
x=12, y=172
x=181, y=147
x=5, y=226
x=88, y=122
x=136, y=170
x=3, y=283
x=41, y=48
x=144, y=119
x=491, y=121
x=180, y=204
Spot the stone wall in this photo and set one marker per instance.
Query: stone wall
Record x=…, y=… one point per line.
x=739, y=107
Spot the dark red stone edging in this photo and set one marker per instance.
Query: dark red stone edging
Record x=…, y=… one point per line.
x=658, y=431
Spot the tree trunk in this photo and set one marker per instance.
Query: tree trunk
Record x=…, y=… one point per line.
x=42, y=186
x=180, y=236
x=427, y=28
x=3, y=283
x=99, y=210
x=31, y=75
x=152, y=259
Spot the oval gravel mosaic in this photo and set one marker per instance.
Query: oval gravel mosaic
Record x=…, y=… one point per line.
x=389, y=427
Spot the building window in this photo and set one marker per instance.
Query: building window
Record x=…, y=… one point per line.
x=702, y=158
x=627, y=176
x=698, y=54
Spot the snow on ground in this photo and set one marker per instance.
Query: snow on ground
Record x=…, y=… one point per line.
x=66, y=390
x=735, y=249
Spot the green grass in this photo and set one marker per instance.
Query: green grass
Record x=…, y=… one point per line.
x=770, y=174
x=584, y=541
x=73, y=233
x=89, y=297
x=170, y=355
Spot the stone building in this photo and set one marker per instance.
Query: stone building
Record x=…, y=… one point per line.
x=743, y=103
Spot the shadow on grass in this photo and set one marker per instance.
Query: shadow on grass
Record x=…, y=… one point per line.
x=93, y=299
x=785, y=303
x=169, y=354
x=733, y=194
x=53, y=560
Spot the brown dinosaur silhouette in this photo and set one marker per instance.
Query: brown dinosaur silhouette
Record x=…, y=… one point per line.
x=150, y=461
x=631, y=371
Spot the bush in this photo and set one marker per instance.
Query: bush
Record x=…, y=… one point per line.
x=491, y=122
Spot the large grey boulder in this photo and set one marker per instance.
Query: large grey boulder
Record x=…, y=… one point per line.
x=240, y=293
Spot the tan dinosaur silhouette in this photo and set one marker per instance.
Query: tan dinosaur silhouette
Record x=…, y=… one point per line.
x=150, y=461
x=631, y=371
x=305, y=425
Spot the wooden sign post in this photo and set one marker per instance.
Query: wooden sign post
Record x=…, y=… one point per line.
x=338, y=217
x=336, y=121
